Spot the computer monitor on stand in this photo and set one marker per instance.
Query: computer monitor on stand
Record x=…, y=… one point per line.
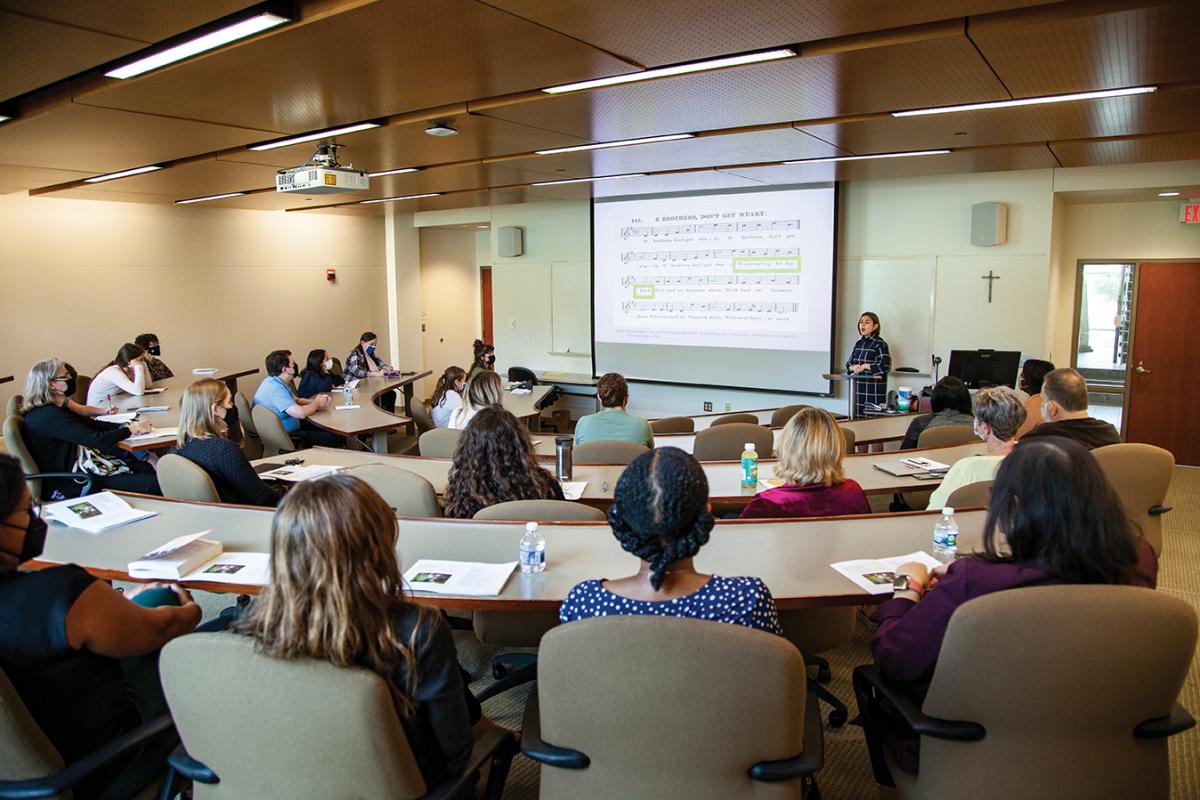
x=979, y=369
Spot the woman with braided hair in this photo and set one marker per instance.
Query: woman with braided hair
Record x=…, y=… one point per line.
x=661, y=515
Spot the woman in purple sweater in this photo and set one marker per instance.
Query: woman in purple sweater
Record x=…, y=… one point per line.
x=811, y=450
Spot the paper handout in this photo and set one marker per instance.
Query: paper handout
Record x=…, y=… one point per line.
x=458, y=577
x=296, y=474
x=875, y=575
x=176, y=558
x=94, y=513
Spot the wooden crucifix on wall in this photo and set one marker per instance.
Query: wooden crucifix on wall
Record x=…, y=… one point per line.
x=990, y=277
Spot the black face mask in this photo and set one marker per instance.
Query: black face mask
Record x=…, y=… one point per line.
x=491, y=359
x=35, y=538
x=70, y=390
x=155, y=351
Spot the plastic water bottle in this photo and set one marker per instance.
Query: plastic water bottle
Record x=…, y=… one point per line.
x=749, y=465
x=945, y=537
x=533, y=549
x=347, y=395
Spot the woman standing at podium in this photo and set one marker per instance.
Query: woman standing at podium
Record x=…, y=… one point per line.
x=870, y=356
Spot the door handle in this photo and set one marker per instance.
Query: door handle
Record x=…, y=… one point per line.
x=1140, y=370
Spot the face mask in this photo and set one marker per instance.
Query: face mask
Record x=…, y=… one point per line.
x=491, y=359
x=1046, y=411
x=219, y=412
x=328, y=364
x=70, y=390
x=979, y=433
x=154, y=351
x=371, y=350
x=35, y=538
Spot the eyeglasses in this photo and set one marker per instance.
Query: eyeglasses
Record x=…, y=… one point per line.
x=63, y=378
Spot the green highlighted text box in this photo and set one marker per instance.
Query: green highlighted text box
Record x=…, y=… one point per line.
x=643, y=291
x=766, y=263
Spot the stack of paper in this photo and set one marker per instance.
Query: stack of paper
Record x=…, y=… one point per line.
x=192, y=558
x=913, y=466
x=159, y=390
x=94, y=513
x=573, y=490
x=205, y=371
x=298, y=473
x=119, y=419
x=875, y=575
x=458, y=577
x=150, y=409
x=155, y=433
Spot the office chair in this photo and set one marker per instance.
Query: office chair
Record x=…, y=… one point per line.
x=407, y=493
x=726, y=442
x=673, y=425
x=185, y=480
x=1140, y=474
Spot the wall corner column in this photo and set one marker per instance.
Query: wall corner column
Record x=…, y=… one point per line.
x=403, y=253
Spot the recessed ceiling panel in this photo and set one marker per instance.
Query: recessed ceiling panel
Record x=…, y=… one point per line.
x=199, y=179
x=1128, y=48
x=113, y=194
x=918, y=74
x=1180, y=147
x=379, y=59
x=14, y=178
x=398, y=146
x=100, y=140
x=146, y=20
x=1115, y=116
x=680, y=182
x=37, y=53
x=702, y=28
x=995, y=160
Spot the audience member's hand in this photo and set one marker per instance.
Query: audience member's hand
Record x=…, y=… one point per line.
x=323, y=400
x=139, y=426
x=916, y=572
x=937, y=573
x=183, y=594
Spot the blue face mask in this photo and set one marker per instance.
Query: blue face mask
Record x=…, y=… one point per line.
x=371, y=350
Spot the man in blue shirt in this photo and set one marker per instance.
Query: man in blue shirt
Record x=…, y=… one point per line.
x=276, y=394
x=614, y=422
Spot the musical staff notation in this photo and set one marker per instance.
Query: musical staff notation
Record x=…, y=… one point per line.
x=710, y=227
x=709, y=280
x=709, y=255
x=680, y=307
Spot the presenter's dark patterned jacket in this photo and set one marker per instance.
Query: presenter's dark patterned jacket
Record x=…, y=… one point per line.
x=874, y=351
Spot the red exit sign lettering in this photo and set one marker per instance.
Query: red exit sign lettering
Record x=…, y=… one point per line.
x=1190, y=211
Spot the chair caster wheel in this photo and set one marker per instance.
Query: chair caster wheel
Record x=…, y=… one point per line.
x=824, y=675
x=837, y=718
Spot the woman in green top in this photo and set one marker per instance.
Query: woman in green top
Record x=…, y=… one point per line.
x=614, y=422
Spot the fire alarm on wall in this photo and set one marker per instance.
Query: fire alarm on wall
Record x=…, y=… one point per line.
x=331, y=275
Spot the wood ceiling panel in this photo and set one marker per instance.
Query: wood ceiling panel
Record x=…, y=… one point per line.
x=37, y=52
x=397, y=146
x=376, y=60
x=100, y=140
x=1180, y=147
x=682, y=182
x=1129, y=48
x=741, y=148
x=997, y=160
x=910, y=75
x=15, y=178
x=1114, y=116
x=704, y=28
x=113, y=194
x=194, y=180
x=145, y=20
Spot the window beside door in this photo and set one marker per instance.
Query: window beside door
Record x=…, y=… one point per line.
x=1101, y=351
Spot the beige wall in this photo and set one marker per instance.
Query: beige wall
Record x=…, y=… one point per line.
x=220, y=287
x=449, y=298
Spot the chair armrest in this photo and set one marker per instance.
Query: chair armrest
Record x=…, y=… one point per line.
x=52, y=785
x=495, y=743
x=1156, y=511
x=190, y=768
x=919, y=722
x=1178, y=721
x=808, y=762
x=82, y=478
x=533, y=746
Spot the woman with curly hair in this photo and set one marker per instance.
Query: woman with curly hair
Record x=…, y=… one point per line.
x=494, y=463
x=660, y=513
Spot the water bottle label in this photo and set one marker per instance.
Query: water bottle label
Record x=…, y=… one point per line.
x=952, y=540
x=532, y=558
x=749, y=471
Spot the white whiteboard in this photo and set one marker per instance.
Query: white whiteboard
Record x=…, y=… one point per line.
x=901, y=292
x=571, y=308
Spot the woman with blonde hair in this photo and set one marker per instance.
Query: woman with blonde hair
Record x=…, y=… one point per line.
x=335, y=594
x=811, y=450
x=202, y=432
x=483, y=390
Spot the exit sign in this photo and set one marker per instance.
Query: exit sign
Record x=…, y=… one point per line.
x=1189, y=211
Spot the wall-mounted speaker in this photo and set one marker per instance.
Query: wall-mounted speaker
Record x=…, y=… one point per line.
x=510, y=241
x=989, y=224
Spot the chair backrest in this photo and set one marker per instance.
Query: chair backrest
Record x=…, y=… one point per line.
x=1081, y=666
x=726, y=442
x=438, y=443
x=733, y=419
x=973, y=495
x=82, y=384
x=185, y=480
x=245, y=414
x=420, y=415
x=406, y=492
x=850, y=438
x=696, y=704
x=782, y=415
x=215, y=684
x=945, y=435
x=673, y=425
x=275, y=439
x=14, y=443
x=14, y=405
x=25, y=752
x=607, y=451
x=522, y=375
x=541, y=511
x=1140, y=474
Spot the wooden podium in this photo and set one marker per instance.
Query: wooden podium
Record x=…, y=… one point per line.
x=853, y=381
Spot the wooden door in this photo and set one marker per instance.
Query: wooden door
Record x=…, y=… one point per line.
x=1163, y=373
x=485, y=303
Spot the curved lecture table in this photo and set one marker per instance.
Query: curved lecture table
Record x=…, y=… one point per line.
x=171, y=397
x=6, y=379
x=792, y=557
x=724, y=477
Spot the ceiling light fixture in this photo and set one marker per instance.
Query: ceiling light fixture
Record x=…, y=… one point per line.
x=908, y=154
x=1029, y=101
x=441, y=130
x=122, y=174
x=209, y=41
x=622, y=143
x=590, y=180
x=1168, y=194
x=308, y=137
x=4, y=118
x=206, y=199
x=677, y=69
x=405, y=197
x=403, y=171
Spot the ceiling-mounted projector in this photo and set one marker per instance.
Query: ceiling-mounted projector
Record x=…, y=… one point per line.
x=322, y=174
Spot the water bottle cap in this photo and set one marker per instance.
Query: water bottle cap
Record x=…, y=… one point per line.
x=749, y=445
x=531, y=526
x=949, y=512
